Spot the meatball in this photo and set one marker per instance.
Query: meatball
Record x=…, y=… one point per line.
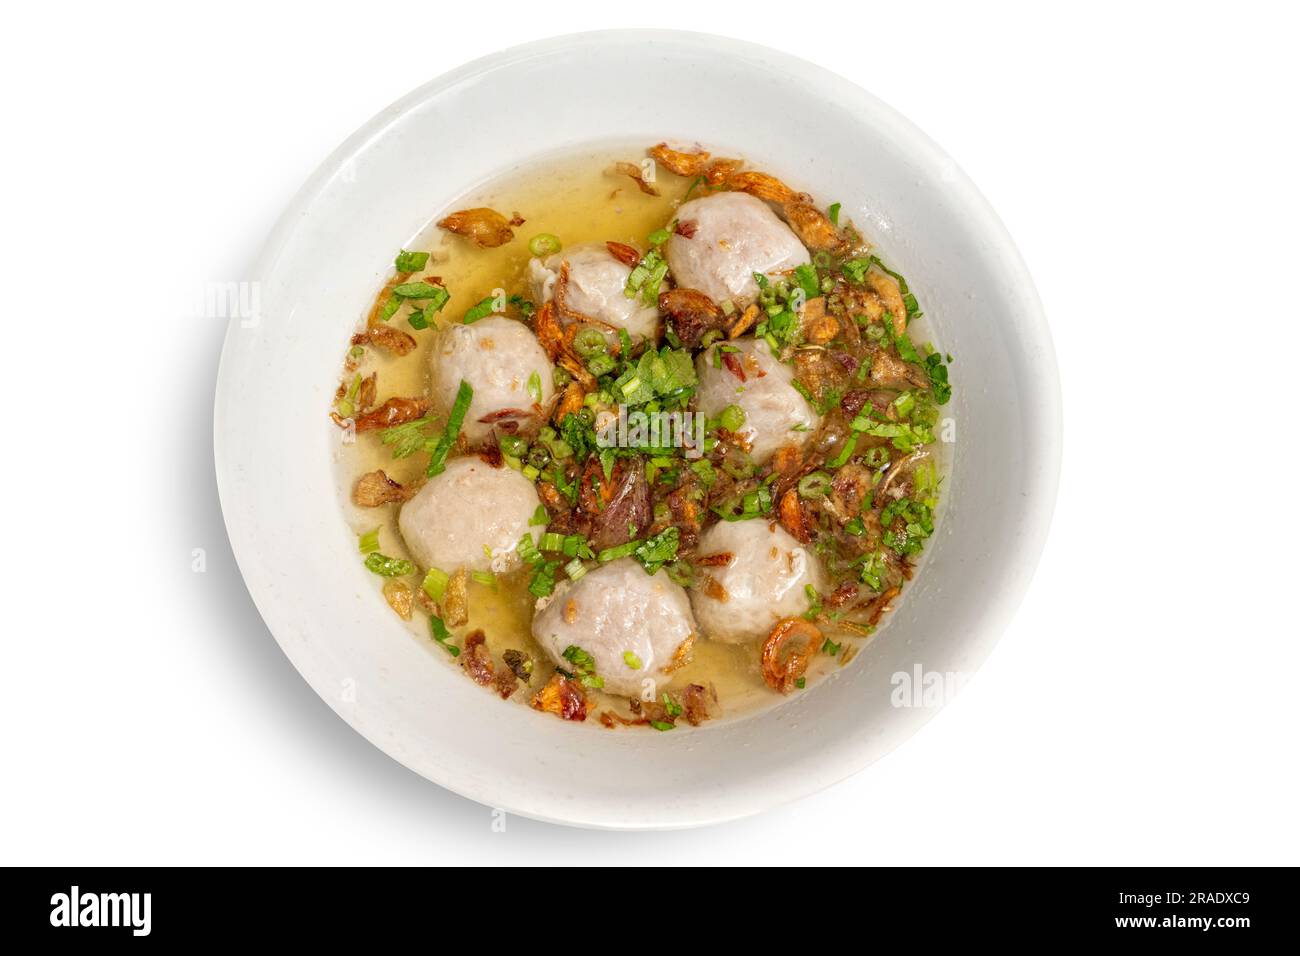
x=734, y=235
x=775, y=413
x=497, y=357
x=470, y=516
x=613, y=611
x=595, y=289
x=764, y=582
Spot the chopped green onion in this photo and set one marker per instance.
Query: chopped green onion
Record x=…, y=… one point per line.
x=814, y=485
x=369, y=542
x=535, y=387
x=656, y=551
x=658, y=237
x=575, y=569
x=618, y=551
x=876, y=457
x=435, y=583
x=632, y=661
x=527, y=550
x=647, y=278
x=539, y=457
x=806, y=276
x=442, y=635
x=845, y=453
x=411, y=261
x=486, y=578
x=938, y=377
x=408, y=438
x=544, y=244
x=855, y=270
x=480, y=310
x=732, y=418
x=387, y=567
x=589, y=342
x=418, y=290
x=681, y=573
x=551, y=541
x=814, y=603
x=558, y=447
x=703, y=469
x=751, y=505
x=601, y=365
x=438, y=460
x=584, y=666
x=542, y=583
x=515, y=447
x=662, y=725
x=902, y=435
x=833, y=214
x=540, y=517
x=906, y=349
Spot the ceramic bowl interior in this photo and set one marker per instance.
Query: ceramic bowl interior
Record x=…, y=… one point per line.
x=331, y=251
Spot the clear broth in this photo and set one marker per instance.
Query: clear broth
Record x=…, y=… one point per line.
x=579, y=198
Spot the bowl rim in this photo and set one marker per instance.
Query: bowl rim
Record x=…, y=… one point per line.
x=1046, y=389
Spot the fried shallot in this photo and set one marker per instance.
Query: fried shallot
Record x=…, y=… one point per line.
x=793, y=518
x=387, y=338
x=486, y=228
x=691, y=314
x=784, y=667
x=562, y=697
x=476, y=659
x=623, y=253
x=679, y=161
x=395, y=411
x=455, y=601
x=400, y=597
x=375, y=488
x=638, y=175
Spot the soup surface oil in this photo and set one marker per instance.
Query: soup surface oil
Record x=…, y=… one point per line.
x=578, y=198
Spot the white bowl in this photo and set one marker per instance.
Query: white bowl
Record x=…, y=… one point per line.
x=330, y=252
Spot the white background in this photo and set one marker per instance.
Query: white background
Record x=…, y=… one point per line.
x=1142, y=709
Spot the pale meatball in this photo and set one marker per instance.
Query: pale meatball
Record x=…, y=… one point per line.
x=775, y=413
x=497, y=357
x=471, y=516
x=611, y=611
x=595, y=289
x=764, y=582
x=735, y=235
